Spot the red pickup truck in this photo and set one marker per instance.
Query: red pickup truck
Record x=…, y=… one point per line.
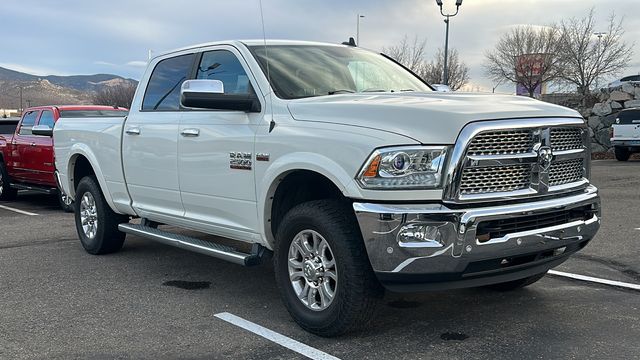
x=26, y=156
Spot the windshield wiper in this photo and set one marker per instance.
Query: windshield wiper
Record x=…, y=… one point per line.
x=374, y=90
x=340, y=91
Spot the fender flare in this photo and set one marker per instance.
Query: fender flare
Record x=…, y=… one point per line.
x=289, y=163
x=77, y=150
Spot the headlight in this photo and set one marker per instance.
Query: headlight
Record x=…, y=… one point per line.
x=411, y=167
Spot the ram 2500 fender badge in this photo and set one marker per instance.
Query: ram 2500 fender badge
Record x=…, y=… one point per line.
x=240, y=160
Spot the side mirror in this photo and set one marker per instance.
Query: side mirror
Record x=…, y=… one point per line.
x=42, y=130
x=209, y=94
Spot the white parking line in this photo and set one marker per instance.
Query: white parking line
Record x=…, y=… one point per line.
x=18, y=211
x=596, y=280
x=277, y=338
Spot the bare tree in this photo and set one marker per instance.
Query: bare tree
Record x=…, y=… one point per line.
x=458, y=71
x=409, y=54
x=117, y=95
x=527, y=56
x=587, y=58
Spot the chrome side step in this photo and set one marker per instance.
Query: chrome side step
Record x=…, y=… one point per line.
x=200, y=246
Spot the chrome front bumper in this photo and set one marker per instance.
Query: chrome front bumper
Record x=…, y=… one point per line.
x=451, y=254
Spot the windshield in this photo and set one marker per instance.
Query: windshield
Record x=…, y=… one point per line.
x=298, y=71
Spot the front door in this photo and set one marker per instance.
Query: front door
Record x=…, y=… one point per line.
x=216, y=157
x=41, y=158
x=23, y=147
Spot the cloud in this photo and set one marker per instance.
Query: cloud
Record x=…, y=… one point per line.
x=137, y=63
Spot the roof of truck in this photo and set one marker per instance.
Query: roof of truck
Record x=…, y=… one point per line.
x=249, y=42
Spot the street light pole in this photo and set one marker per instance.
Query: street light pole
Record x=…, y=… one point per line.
x=446, y=38
x=599, y=34
x=358, y=29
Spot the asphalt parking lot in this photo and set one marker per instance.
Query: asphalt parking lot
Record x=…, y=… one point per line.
x=153, y=301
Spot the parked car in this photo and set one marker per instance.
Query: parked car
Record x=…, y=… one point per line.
x=625, y=134
x=441, y=87
x=282, y=146
x=26, y=151
x=625, y=79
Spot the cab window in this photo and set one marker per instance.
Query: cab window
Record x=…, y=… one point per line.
x=28, y=120
x=223, y=65
x=47, y=118
x=163, y=90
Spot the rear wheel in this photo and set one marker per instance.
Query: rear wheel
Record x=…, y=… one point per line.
x=96, y=223
x=66, y=203
x=6, y=192
x=322, y=269
x=622, y=154
x=516, y=284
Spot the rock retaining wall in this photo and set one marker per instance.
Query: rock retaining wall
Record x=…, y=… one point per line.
x=604, y=113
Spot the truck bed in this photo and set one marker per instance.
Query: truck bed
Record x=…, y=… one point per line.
x=103, y=136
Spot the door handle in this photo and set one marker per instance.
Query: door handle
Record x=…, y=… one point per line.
x=33, y=144
x=133, y=131
x=190, y=132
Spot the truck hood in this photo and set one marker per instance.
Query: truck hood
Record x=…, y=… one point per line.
x=430, y=118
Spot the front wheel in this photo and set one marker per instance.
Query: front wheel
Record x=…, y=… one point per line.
x=322, y=269
x=96, y=223
x=516, y=284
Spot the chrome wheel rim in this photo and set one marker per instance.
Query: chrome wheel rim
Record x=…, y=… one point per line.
x=66, y=200
x=89, y=215
x=1, y=183
x=312, y=270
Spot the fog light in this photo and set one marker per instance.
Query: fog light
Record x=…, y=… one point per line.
x=420, y=235
x=559, y=251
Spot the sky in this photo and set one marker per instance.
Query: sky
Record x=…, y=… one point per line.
x=69, y=37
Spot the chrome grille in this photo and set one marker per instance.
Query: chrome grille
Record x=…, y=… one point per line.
x=507, y=159
x=495, y=179
x=564, y=138
x=567, y=171
x=501, y=142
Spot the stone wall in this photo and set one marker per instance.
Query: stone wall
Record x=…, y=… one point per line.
x=604, y=113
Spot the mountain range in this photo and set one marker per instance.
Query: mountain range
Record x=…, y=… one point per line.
x=53, y=89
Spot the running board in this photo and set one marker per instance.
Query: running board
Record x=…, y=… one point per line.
x=200, y=246
x=39, y=189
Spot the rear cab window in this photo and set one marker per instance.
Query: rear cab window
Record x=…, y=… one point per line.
x=163, y=89
x=628, y=117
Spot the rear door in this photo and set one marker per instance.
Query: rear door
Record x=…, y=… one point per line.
x=217, y=193
x=22, y=148
x=150, y=142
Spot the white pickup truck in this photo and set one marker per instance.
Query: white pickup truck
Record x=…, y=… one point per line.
x=625, y=134
x=345, y=167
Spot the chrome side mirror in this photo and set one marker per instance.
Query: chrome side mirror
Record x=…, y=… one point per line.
x=42, y=130
x=209, y=94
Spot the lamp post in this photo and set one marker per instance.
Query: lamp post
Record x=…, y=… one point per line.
x=446, y=39
x=358, y=29
x=599, y=34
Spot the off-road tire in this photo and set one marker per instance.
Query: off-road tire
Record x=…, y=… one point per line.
x=516, y=284
x=622, y=154
x=6, y=192
x=357, y=293
x=108, y=238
